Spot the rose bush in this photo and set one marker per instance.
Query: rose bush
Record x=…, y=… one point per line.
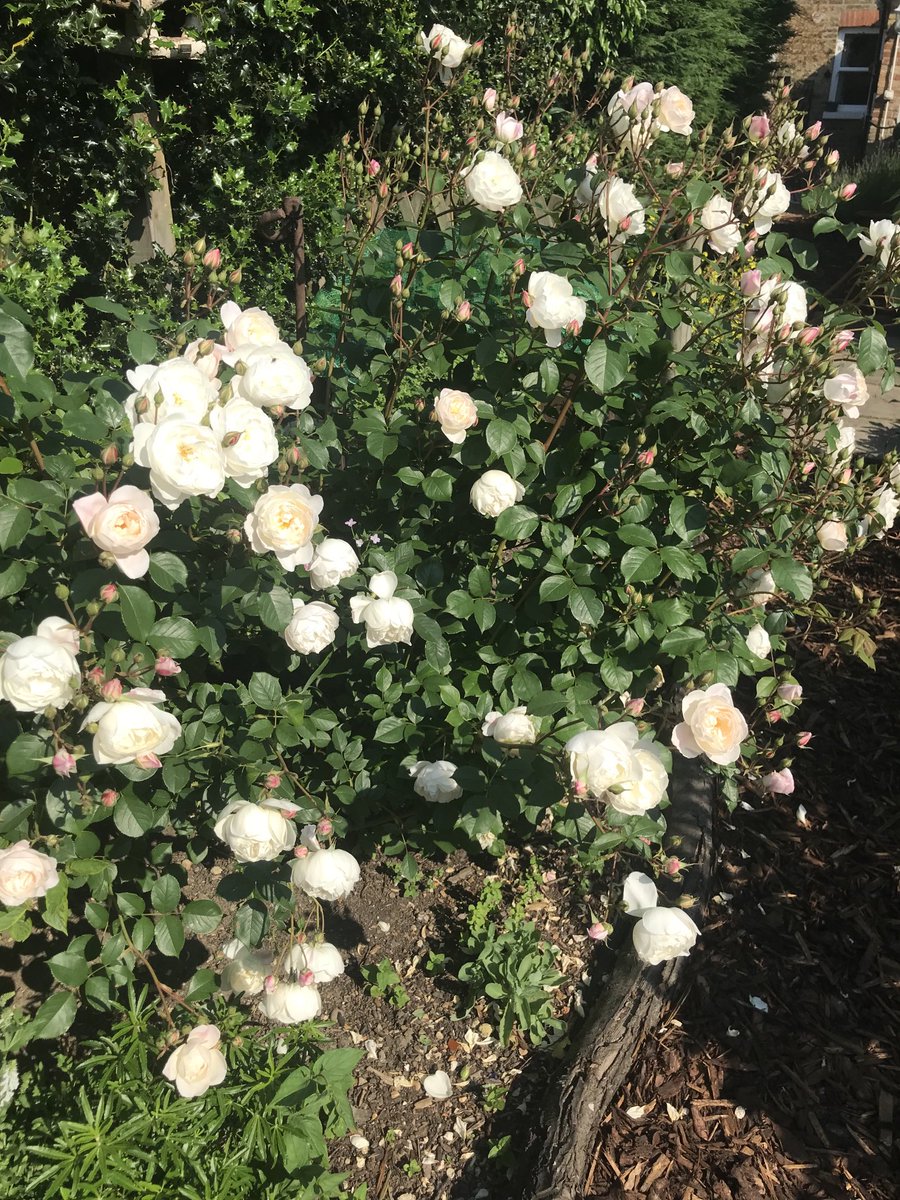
x=600, y=347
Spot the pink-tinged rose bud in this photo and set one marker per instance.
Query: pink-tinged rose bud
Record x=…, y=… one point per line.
x=231, y=439
x=526, y=299
x=109, y=593
x=489, y=99
x=598, y=932
x=296, y=457
x=846, y=475
x=645, y=840
x=397, y=285
x=804, y=738
x=272, y=781
x=112, y=689
x=305, y=978
x=760, y=128
x=277, y=410
x=645, y=459
x=478, y=45
x=234, y=535
x=573, y=327
x=750, y=247
x=436, y=42
x=675, y=170
x=832, y=158
x=791, y=692
x=289, y=813
x=408, y=251
x=63, y=763
x=592, y=161
x=445, y=156
x=325, y=827
x=213, y=259
x=809, y=164
x=809, y=334
x=463, y=310
x=673, y=866
x=373, y=166
x=814, y=130
x=269, y=983
x=570, y=137
x=625, y=224
x=110, y=456
x=142, y=406
x=383, y=190
x=579, y=788
x=530, y=150
x=301, y=851
x=167, y=666
x=785, y=331
x=848, y=191
x=519, y=266
x=471, y=139
x=751, y=282
x=779, y=783
x=148, y=762
x=773, y=716
x=635, y=707
x=689, y=220
x=109, y=798
x=808, y=468
x=95, y=675
x=842, y=340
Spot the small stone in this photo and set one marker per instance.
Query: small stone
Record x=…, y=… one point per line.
x=360, y=1143
x=740, y=1112
x=384, y=926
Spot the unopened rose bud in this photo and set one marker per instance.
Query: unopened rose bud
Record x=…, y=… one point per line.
x=579, y=788
x=807, y=468
x=832, y=158
x=110, y=456
x=489, y=99
x=397, y=286
x=108, y=798
x=305, y=978
x=199, y=246
x=234, y=535
x=675, y=170
x=773, y=716
x=760, y=128
x=673, y=866
x=846, y=475
x=526, y=299
x=814, y=130
x=236, y=276
x=804, y=738
x=231, y=439
x=373, y=166
x=751, y=282
x=300, y=851
x=848, y=191
x=269, y=983
x=419, y=404
x=188, y=258
x=167, y=666
x=463, y=310
x=148, y=762
x=213, y=259
x=809, y=334
x=598, y=932
x=111, y=690
x=471, y=139
x=530, y=151
x=95, y=676
x=635, y=707
x=272, y=780
x=63, y=763
x=686, y=900
x=383, y=190
x=645, y=457
x=325, y=827
x=842, y=340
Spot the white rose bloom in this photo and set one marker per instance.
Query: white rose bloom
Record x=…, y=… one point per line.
x=847, y=389
x=333, y=561
x=880, y=242
x=723, y=234
x=198, y=1064
x=631, y=114
x=434, y=781
x=758, y=641
x=602, y=758
x=553, y=305
x=514, y=728
x=132, y=728
x=38, y=672
x=312, y=627
x=291, y=1004
x=323, y=959
x=208, y=364
x=275, y=375
x=759, y=587
x=886, y=506
x=494, y=492
x=25, y=874
x=507, y=128
x=622, y=212
x=246, y=974
x=175, y=388
x=250, y=327
x=492, y=182
x=60, y=631
x=638, y=893
x=456, y=412
x=663, y=933
x=248, y=440
x=711, y=726
x=255, y=832
x=784, y=301
x=326, y=874
x=121, y=524
x=769, y=200
x=844, y=446
x=675, y=112
x=645, y=786
x=184, y=460
x=832, y=535
x=387, y=618
x=284, y=520
x=446, y=47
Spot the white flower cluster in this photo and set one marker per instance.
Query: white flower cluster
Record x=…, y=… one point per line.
x=660, y=933
x=619, y=767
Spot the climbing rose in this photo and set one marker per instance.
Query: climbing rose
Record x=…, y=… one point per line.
x=712, y=726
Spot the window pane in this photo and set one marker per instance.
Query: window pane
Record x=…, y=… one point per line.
x=853, y=88
x=859, y=49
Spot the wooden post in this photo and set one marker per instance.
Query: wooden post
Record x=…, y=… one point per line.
x=285, y=224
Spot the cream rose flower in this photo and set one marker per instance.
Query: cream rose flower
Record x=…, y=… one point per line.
x=646, y=784
x=663, y=933
x=723, y=234
x=492, y=183
x=387, y=618
x=198, y=1064
x=494, y=492
x=768, y=201
x=554, y=305
x=312, y=627
x=507, y=128
x=456, y=412
x=323, y=959
x=206, y=355
x=759, y=642
x=284, y=520
x=622, y=212
x=250, y=327
x=832, y=536
x=847, y=389
x=248, y=440
x=515, y=728
x=132, y=728
x=25, y=874
x=121, y=524
x=333, y=561
x=291, y=1003
x=881, y=241
x=38, y=672
x=759, y=587
x=600, y=759
x=256, y=832
x=184, y=460
x=245, y=974
x=711, y=726
x=447, y=47
x=326, y=874
x=434, y=781
x=275, y=375
x=174, y=388
x=675, y=112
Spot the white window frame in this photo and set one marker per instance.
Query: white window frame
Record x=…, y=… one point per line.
x=849, y=111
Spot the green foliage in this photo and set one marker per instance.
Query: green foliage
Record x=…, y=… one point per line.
x=877, y=179
x=384, y=983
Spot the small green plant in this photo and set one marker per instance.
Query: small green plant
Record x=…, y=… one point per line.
x=384, y=983
x=495, y=1098
x=412, y=1168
